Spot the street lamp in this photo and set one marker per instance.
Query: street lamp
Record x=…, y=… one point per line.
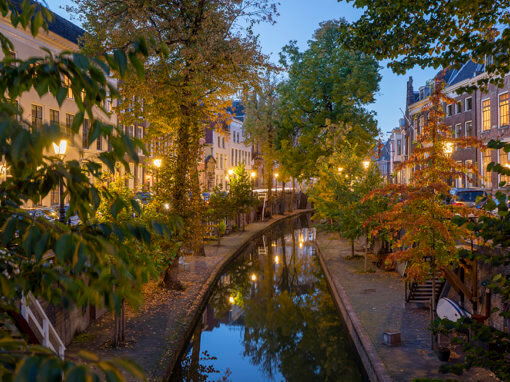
x=253, y=174
x=253, y=277
x=157, y=163
x=60, y=151
x=366, y=164
x=340, y=169
x=448, y=148
x=230, y=172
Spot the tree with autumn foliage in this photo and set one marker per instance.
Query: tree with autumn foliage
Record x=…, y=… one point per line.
x=428, y=225
x=200, y=54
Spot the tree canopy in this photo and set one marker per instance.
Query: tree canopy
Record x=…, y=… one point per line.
x=323, y=101
x=434, y=33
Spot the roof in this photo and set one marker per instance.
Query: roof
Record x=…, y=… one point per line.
x=237, y=110
x=60, y=26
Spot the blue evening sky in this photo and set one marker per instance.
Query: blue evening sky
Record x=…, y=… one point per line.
x=297, y=21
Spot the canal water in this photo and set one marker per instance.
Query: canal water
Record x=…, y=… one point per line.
x=271, y=318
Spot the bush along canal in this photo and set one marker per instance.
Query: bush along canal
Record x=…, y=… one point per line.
x=271, y=318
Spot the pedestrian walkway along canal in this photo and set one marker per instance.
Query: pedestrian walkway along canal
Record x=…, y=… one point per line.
x=271, y=318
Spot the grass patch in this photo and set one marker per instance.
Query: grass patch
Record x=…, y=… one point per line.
x=83, y=337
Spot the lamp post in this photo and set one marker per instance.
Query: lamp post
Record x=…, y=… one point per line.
x=60, y=151
x=253, y=175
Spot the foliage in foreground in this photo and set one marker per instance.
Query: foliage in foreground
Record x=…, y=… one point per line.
x=91, y=263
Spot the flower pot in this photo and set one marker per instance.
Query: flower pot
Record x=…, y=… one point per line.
x=443, y=354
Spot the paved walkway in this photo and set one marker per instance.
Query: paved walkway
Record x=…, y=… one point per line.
x=155, y=333
x=378, y=300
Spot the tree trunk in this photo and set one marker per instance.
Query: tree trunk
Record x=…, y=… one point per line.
x=122, y=334
x=366, y=255
x=170, y=277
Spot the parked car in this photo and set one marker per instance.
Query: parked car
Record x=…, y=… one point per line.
x=466, y=196
x=44, y=212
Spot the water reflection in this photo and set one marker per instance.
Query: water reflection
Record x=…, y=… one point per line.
x=271, y=318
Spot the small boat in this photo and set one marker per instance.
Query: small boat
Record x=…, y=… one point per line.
x=449, y=309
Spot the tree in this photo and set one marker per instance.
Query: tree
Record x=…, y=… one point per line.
x=434, y=33
x=340, y=194
x=431, y=228
x=202, y=52
x=49, y=260
x=261, y=118
x=322, y=103
x=218, y=209
x=241, y=193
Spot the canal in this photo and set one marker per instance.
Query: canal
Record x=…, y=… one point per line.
x=271, y=318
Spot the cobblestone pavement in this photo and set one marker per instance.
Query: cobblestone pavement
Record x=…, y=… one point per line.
x=154, y=333
x=378, y=300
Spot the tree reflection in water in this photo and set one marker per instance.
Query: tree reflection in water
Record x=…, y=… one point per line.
x=292, y=329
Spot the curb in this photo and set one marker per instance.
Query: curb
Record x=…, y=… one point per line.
x=373, y=365
x=208, y=286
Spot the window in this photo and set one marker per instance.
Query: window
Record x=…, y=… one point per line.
x=486, y=115
x=232, y=158
x=458, y=107
x=469, y=129
x=503, y=110
x=421, y=125
x=54, y=117
x=449, y=110
x=487, y=175
x=458, y=130
x=223, y=142
x=85, y=134
x=468, y=104
x=469, y=175
x=69, y=123
x=504, y=160
x=99, y=143
x=217, y=161
x=399, y=147
x=37, y=116
x=67, y=84
x=219, y=142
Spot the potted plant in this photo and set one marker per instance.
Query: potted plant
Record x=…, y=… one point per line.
x=442, y=327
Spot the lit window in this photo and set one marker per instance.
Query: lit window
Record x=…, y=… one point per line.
x=486, y=115
x=487, y=175
x=449, y=110
x=503, y=110
x=504, y=160
x=67, y=84
x=69, y=123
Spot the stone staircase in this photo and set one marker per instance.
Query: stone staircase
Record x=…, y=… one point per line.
x=422, y=292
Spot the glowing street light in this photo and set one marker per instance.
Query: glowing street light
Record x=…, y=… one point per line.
x=340, y=169
x=448, y=148
x=60, y=150
x=230, y=172
x=276, y=175
x=277, y=259
x=231, y=299
x=157, y=163
x=366, y=164
x=253, y=277
x=167, y=206
x=253, y=174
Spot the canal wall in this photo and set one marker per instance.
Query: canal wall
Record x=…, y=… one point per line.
x=213, y=278
x=371, y=361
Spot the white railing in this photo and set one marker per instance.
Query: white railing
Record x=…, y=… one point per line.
x=30, y=310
